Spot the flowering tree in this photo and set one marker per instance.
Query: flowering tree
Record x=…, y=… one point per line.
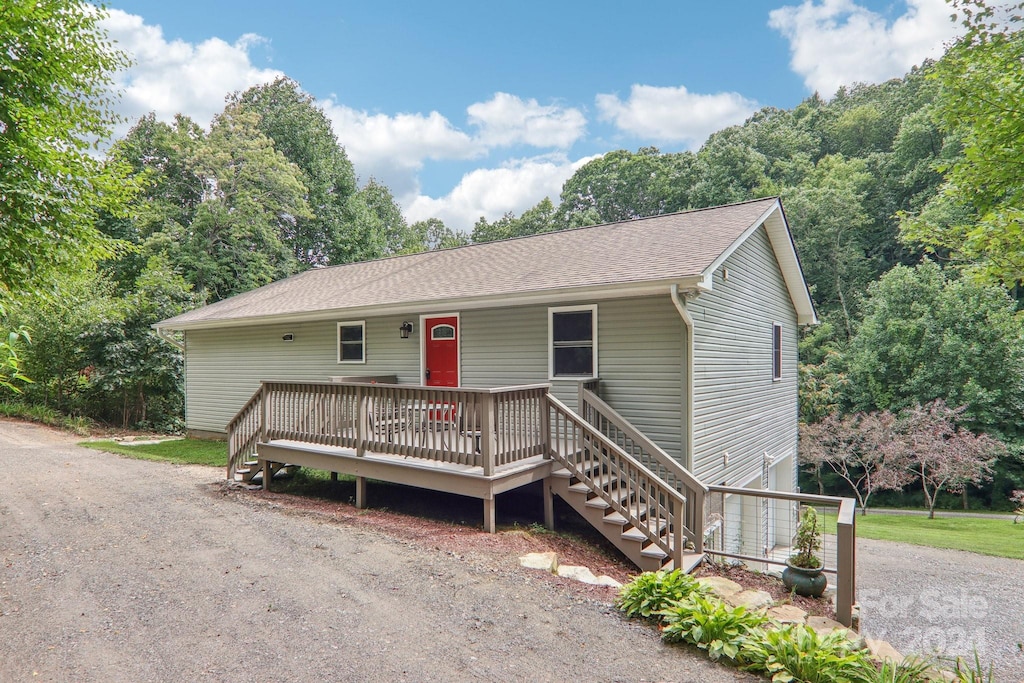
x=944, y=456
x=859, y=448
x=1017, y=498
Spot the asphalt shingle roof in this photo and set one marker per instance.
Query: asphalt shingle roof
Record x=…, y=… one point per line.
x=647, y=249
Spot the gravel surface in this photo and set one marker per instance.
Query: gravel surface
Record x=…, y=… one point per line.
x=124, y=570
x=946, y=602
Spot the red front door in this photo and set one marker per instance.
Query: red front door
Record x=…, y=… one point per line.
x=441, y=351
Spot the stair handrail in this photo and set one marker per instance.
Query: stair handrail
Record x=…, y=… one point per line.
x=245, y=430
x=681, y=532
x=669, y=468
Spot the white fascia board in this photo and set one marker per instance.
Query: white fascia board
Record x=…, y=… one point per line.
x=774, y=222
x=550, y=296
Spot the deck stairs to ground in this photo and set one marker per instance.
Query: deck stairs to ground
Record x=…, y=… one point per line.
x=632, y=539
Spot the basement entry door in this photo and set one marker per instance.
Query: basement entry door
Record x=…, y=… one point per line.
x=441, y=351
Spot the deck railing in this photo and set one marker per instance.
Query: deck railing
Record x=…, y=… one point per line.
x=630, y=439
x=484, y=428
x=756, y=527
x=630, y=488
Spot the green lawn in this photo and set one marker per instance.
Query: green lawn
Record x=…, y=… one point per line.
x=188, y=451
x=998, y=537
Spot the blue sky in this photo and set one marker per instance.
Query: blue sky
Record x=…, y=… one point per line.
x=466, y=108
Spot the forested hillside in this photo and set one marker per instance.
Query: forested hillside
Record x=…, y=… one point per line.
x=904, y=199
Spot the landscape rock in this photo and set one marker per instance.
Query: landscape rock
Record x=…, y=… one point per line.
x=823, y=626
x=545, y=561
x=751, y=599
x=584, y=575
x=720, y=586
x=881, y=651
x=787, y=614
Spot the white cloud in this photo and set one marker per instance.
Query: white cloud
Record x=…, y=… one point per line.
x=171, y=77
x=838, y=42
x=492, y=192
x=393, y=148
x=674, y=114
x=506, y=120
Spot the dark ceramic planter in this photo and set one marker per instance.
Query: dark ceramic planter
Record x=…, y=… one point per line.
x=807, y=582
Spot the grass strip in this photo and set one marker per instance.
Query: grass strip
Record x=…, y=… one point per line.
x=995, y=537
x=183, y=451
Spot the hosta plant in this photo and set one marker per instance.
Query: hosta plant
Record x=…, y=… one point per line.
x=651, y=592
x=796, y=652
x=711, y=625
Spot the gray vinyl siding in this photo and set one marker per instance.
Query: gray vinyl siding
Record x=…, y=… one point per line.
x=223, y=368
x=738, y=408
x=640, y=346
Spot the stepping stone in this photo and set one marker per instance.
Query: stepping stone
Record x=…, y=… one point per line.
x=787, y=614
x=720, y=586
x=546, y=561
x=881, y=651
x=751, y=599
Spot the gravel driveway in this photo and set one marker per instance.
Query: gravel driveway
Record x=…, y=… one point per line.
x=123, y=570
x=927, y=600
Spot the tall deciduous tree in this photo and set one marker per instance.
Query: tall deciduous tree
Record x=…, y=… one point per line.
x=55, y=103
x=982, y=100
x=928, y=336
x=301, y=132
x=253, y=198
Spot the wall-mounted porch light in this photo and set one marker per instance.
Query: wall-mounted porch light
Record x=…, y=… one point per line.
x=288, y=337
x=405, y=330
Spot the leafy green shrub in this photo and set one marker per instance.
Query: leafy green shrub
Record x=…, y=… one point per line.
x=711, y=625
x=796, y=652
x=651, y=592
x=910, y=670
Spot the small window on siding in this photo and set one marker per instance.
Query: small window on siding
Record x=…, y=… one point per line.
x=776, y=351
x=573, y=337
x=352, y=342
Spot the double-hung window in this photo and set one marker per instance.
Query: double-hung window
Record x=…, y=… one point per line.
x=572, y=332
x=352, y=342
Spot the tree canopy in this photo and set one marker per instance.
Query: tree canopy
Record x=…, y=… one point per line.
x=55, y=69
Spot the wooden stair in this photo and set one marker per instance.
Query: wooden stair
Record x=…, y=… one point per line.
x=251, y=470
x=635, y=543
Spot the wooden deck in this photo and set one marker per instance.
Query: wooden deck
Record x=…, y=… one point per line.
x=449, y=477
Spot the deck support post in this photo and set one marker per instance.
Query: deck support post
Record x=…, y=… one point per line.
x=549, y=506
x=489, y=523
x=488, y=444
x=360, y=492
x=267, y=474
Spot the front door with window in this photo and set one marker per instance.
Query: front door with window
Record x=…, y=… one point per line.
x=441, y=351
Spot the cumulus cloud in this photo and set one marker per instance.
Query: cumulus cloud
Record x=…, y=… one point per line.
x=506, y=120
x=171, y=77
x=838, y=42
x=491, y=192
x=674, y=114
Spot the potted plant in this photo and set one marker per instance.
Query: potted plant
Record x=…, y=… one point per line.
x=803, y=572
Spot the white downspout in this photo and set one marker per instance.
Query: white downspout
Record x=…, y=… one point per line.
x=680, y=305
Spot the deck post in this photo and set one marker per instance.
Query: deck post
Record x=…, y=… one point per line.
x=489, y=524
x=545, y=424
x=362, y=421
x=488, y=445
x=360, y=492
x=549, y=505
x=267, y=474
x=846, y=548
x=264, y=411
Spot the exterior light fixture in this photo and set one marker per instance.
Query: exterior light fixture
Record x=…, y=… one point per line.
x=288, y=337
x=405, y=329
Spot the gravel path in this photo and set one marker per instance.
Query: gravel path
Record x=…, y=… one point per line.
x=123, y=570
x=929, y=600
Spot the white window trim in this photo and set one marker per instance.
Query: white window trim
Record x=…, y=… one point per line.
x=551, y=342
x=776, y=330
x=351, y=323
